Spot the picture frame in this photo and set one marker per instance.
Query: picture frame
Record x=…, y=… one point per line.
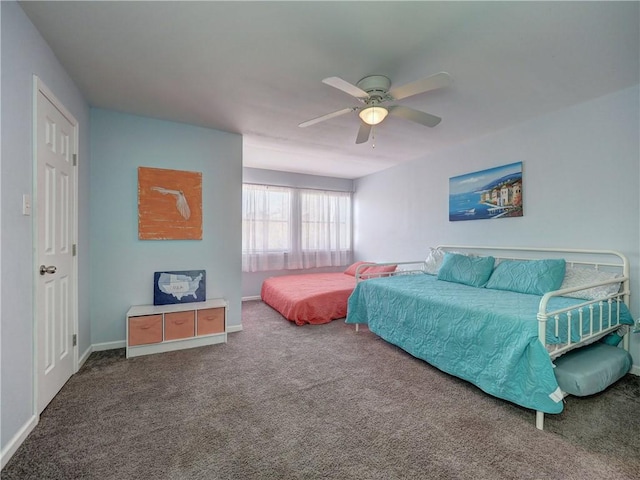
x=184, y=286
x=487, y=194
x=169, y=204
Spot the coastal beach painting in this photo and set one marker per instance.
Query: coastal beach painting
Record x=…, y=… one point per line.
x=492, y=193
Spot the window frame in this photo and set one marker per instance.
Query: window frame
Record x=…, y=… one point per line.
x=296, y=254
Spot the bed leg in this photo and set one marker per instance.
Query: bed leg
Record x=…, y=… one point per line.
x=357, y=325
x=539, y=420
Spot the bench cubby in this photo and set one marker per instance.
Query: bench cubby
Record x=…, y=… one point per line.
x=164, y=328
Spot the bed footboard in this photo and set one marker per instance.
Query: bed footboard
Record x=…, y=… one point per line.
x=589, y=321
x=583, y=323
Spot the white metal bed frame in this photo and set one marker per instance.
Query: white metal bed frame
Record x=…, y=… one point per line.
x=599, y=325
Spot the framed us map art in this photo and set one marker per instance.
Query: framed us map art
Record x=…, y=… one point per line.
x=169, y=204
x=185, y=286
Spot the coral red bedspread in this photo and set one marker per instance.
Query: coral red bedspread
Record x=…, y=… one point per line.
x=311, y=298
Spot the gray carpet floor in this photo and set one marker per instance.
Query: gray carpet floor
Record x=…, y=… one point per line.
x=286, y=402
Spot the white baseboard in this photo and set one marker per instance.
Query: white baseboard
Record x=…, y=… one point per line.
x=255, y=297
x=98, y=347
x=83, y=358
x=635, y=370
x=172, y=345
x=16, y=441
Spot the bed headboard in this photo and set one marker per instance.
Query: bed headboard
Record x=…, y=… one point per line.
x=606, y=260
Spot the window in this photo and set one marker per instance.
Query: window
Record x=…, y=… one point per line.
x=266, y=219
x=290, y=228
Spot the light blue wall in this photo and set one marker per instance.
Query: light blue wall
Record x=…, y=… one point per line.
x=25, y=53
x=123, y=266
x=581, y=185
x=252, y=281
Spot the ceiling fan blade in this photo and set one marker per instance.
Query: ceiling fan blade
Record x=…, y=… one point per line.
x=363, y=133
x=414, y=115
x=313, y=121
x=340, y=84
x=439, y=80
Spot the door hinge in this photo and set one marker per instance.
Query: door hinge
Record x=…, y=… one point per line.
x=75, y=339
x=75, y=159
x=73, y=250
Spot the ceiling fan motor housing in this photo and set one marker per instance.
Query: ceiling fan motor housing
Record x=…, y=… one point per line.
x=377, y=86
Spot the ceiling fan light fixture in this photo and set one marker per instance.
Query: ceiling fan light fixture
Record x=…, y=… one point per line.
x=373, y=115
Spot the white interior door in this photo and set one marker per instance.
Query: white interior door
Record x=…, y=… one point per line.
x=55, y=356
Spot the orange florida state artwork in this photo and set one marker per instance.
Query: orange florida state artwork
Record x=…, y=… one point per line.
x=169, y=204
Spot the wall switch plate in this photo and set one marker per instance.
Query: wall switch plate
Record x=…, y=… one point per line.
x=26, y=204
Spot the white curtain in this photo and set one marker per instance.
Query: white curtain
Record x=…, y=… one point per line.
x=289, y=228
x=325, y=229
x=266, y=227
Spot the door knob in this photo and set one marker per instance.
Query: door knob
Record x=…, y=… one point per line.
x=50, y=269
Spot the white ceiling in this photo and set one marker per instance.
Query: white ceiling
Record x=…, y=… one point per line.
x=255, y=68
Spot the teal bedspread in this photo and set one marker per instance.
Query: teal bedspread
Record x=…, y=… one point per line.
x=487, y=337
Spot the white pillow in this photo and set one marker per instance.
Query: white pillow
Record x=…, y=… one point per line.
x=576, y=277
x=434, y=260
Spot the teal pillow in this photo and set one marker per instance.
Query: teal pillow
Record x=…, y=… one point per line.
x=612, y=339
x=535, y=277
x=474, y=271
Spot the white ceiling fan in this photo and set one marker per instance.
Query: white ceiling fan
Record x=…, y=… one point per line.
x=374, y=92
